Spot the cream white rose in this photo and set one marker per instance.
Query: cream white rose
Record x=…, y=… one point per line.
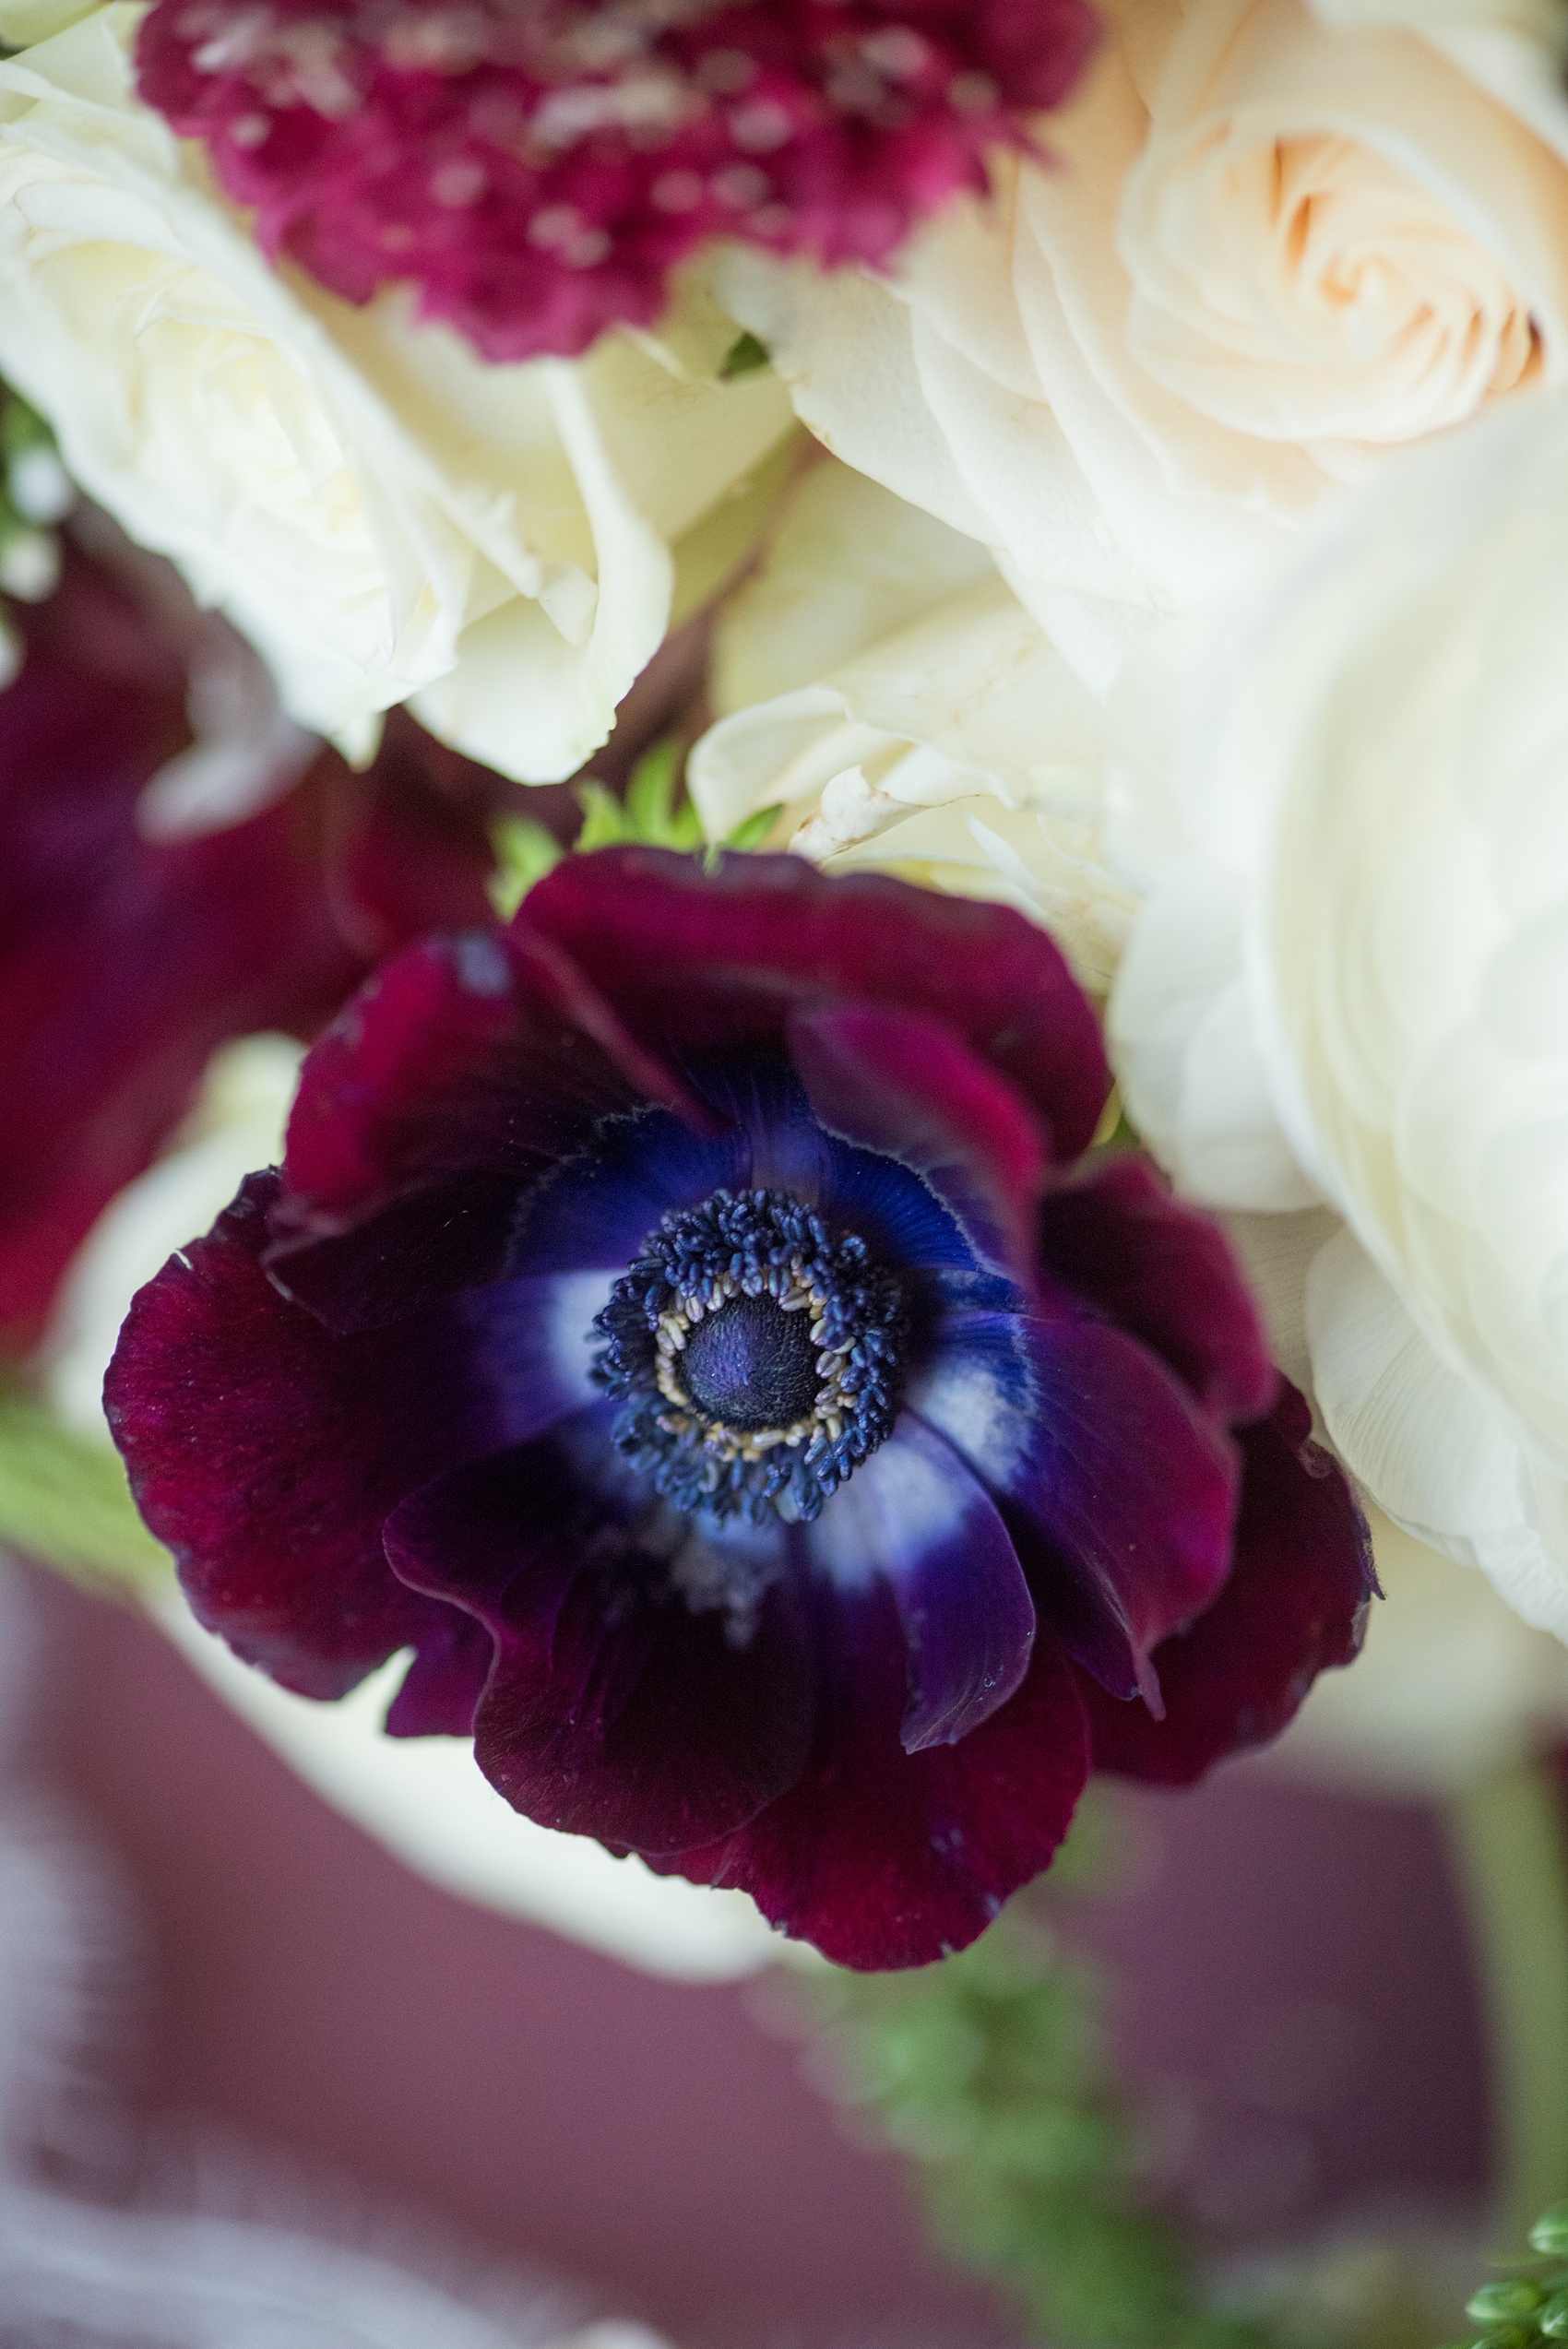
x=1351, y=978
x=1273, y=244
x=386, y=516
x=882, y=688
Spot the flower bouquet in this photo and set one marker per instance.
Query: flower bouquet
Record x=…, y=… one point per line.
x=786, y=861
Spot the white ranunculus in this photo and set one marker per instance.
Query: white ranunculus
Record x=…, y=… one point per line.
x=384, y=514
x=883, y=689
x=1273, y=242
x=1351, y=978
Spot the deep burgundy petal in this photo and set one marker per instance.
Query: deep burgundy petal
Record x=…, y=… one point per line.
x=267, y=1453
x=708, y=959
x=1164, y=1273
x=614, y=1709
x=1295, y=1604
x=408, y=841
x=906, y=1084
x=126, y=960
x=424, y=1246
x=462, y=1072
x=445, y=1680
x=914, y=1514
x=485, y=1049
x=886, y=1859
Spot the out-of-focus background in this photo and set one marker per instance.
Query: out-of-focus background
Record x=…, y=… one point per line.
x=1293, y=2000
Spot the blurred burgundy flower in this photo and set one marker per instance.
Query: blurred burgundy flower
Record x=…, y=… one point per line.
x=127, y=953
x=536, y=173
x=688, y=1320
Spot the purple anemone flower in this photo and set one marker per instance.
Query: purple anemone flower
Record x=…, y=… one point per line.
x=687, y=1319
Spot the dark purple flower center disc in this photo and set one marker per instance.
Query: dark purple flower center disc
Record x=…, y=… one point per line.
x=758, y=1355
x=752, y=1366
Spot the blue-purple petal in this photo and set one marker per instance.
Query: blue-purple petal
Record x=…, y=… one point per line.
x=595, y=1211
x=896, y=1213
x=914, y=1514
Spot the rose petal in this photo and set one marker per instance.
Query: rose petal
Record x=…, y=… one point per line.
x=914, y=1514
x=704, y=959
x=884, y=1858
x=1295, y=1604
x=615, y=1708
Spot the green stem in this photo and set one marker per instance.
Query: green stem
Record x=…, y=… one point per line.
x=1509, y=1847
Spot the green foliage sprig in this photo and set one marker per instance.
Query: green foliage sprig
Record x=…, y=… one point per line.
x=1529, y=2306
x=35, y=494
x=655, y=813
x=990, y=2074
x=66, y=1501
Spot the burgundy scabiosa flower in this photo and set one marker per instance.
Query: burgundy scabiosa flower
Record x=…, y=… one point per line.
x=537, y=168
x=688, y=1320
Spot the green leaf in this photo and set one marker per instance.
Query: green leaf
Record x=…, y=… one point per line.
x=745, y=357
x=604, y=823
x=751, y=830
x=65, y=1500
x=22, y=426
x=525, y=852
x=658, y=811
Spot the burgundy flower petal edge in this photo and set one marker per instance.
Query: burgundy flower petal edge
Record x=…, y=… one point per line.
x=883, y=1858
x=463, y=1070
x=267, y=1453
x=1165, y=1273
x=717, y=958
x=1295, y=1604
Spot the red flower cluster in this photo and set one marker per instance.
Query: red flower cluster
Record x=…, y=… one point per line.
x=537, y=167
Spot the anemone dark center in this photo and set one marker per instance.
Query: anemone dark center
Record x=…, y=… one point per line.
x=757, y=1356
x=751, y=1365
